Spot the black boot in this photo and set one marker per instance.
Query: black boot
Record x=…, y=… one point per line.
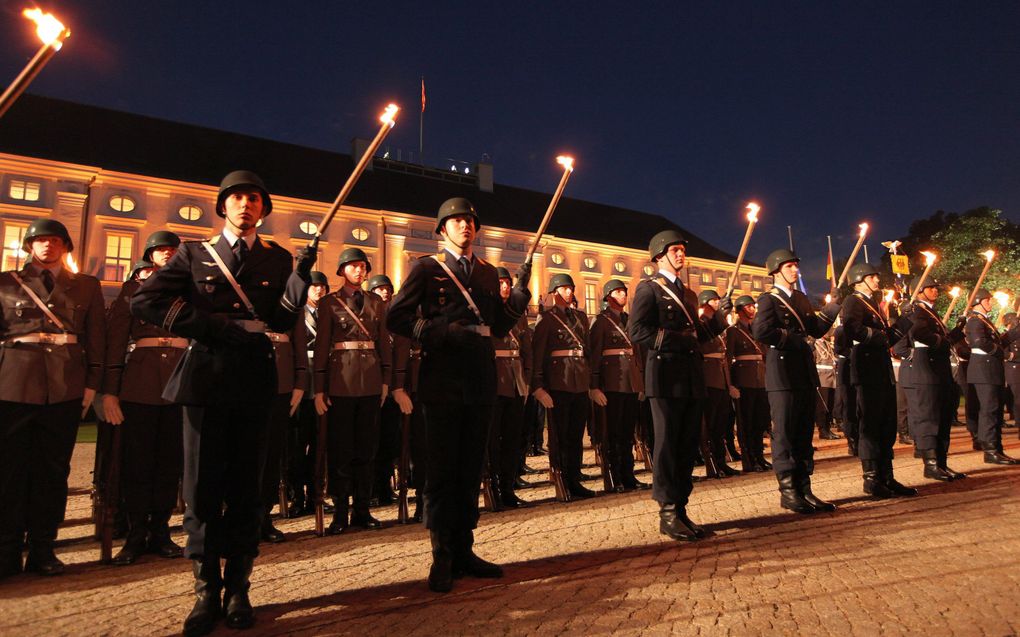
x=418, y=508
x=236, y=582
x=731, y=450
x=790, y=496
x=508, y=497
x=465, y=562
x=874, y=483
x=160, y=542
x=206, y=610
x=673, y=522
x=932, y=470
x=136, y=542
x=441, y=572
x=905, y=439
x=825, y=432
x=361, y=517
x=578, y=491
x=851, y=446
x=897, y=489
x=270, y=533
x=803, y=479
x=995, y=455
x=41, y=558
x=943, y=464
x=339, y=522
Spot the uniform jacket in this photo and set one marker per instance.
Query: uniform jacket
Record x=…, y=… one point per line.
x=744, y=372
x=842, y=347
x=825, y=362
x=871, y=334
x=351, y=372
x=191, y=297
x=930, y=344
x=615, y=373
x=561, y=373
x=458, y=365
x=40, y=373
x=789, y=359
x=1012, y=340
x=674, y=366
x=716, y=365
x=514, y=373
x=292, y=360
x=406, y=363
x=136, y=374
x=987, y=368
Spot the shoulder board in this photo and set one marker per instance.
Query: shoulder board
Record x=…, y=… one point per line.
x=213, y=240
x=481, y=260
x=266, y=243
x=441, y=257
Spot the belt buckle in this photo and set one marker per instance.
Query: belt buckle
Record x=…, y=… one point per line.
x=47, y=338
x=577, y=352
x=164, y=341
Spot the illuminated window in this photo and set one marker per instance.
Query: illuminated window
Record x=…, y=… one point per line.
x=556, y=258
x=118, y=256
x=190, y=213
x=308, y=227
x=122, y=203
x=620, y=266
x=590, y=263
x=24, y=190
x=13, y=257
x=591, y=299
x=648, y=270
x=359, y=233
x=757, y=284
x=706, y=277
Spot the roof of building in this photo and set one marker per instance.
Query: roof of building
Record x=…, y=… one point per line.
x=59, y=130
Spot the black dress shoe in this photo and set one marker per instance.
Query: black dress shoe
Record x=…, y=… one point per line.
x=338, y=524
x=998, y=457
x=271, y=534
x=529, y=471
x=133, y=549
x=897, y=489
x=976, y=446
x=465, y=562
x=874, y=482
x=827, y=434
x=932, y=470
x=579, y=492
x=511, y=501
x=726, y=470
x=206, y=610
x=236, y=605
x=804, y=486
x=521, y=484
x=42, y=560
x=366, y=521
x=676, y=525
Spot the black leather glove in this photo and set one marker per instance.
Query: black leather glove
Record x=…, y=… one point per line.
x=524, y=276
x=726, y=303
x=961, y=323
x=233, y=335
x=306, y=258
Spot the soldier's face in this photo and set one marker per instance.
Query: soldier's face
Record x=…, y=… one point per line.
x=566, y=293
x=504, y=288
x=748, y=312
x=48, y=249
x=674, y=257
x=986, y=304
x=459, y=230
x=316, y=292
x=790, y=272
x=871, y=281
x=161, y=255
x=619, y=296
x=384, y=292
x=355, y=272
x=929, y=294
x=714, y=304
x=243, y=208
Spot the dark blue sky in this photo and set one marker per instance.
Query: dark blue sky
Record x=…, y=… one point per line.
x=828, y=113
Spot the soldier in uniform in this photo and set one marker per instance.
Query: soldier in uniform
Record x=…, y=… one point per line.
x=846, y=394
x=506, y=434
x=560, y=379
x=927, y=378
x=52, y=344
x=616, y=381
x=389, y=416
x=303, y=433
x=140, y=358
x=406, y=364
x=719, y=394
x=224, y=294
x=450, y=302
x=872, y=376
x=825, y=363
x=352, y=375
x=987, y=375
x=664, y=319
x=1012, y=336
x=784, y=322
x=747, y=371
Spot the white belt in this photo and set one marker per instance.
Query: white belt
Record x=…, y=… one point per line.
x=747, y=357
x=919, y=344
x=715, y=355
x=857, y=342
x=840, y=356
x=617, y=351
x=824, y=366
x=354, y=345
x=507, y=353
x=251, y=326
x=481, y=330
x=158, y=341
x=45, y=337
x=567, y=353
x=278, y=338
x=975, y=350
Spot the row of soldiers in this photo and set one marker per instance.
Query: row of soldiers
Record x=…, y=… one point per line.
x=214, y=347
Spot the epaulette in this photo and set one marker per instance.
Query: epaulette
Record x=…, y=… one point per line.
x=441, y=257
x=481, y=260
x=210, y=240
x=266, y=243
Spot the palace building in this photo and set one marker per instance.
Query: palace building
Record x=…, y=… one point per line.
x=113, y=177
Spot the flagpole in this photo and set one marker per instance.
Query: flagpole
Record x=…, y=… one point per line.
x=421, y=125
x=832, y=264
x=866, y=253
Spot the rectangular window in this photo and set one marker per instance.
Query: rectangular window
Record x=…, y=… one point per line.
x=757, y=283
x=591, y=299
x=24, y=190
x=118, y=256
x=706, y=277
x=13, y=257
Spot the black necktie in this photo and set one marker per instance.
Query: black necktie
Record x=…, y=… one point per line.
x=47, y=279
x=359, y=301
x=465, y=267
x=240, y=252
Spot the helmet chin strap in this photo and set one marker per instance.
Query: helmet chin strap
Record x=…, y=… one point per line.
x=788, y=282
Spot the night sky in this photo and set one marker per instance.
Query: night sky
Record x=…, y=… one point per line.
x=826, y=113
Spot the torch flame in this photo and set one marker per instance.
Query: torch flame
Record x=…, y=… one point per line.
x=752, y=212
x=955, y=292
x=566, y=162
x=889, y=295
x=50, y=30
x=828, y=299
x=389, y=114
x=1002, y=298
x=864, y=229
x=989, y=254
x=72, y=265
x=929, y=257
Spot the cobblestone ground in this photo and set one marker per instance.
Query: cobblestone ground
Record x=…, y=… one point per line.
x=944, y=563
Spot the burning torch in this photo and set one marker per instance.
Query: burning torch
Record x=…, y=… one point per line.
x=1003, y=300
x=52, y=33
x=955, y=295
x=568, y=168
x=752, y=218
x=989, y=256
x=929, y=260
x=853, y=255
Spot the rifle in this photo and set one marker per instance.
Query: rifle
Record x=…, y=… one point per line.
x=488, y=494
x=110, y=497
x=602, y=446
x=404, y=468
x=99, y=475
x=320, y=477
x=555, y=467
x=281, y=489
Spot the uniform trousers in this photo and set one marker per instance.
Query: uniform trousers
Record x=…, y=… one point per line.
x=718, y=410
x=36, y=442
x=753, y=421
x=505, y=439
x=388, y=451
x=301, y=449
x=824, y=405
x=849, y=416
x=456, y=438
x=568, y=416
x=932, y=408
x=279, y=424
x=903, y=426
x=876, y=408
x=224, y=453
x=352, y=437
x=152, y=457
x=677, y=426
x=793, y=427
x=621, y=419
x=989, y=421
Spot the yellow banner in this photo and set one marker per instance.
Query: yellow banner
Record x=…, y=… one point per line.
x=900, y=264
